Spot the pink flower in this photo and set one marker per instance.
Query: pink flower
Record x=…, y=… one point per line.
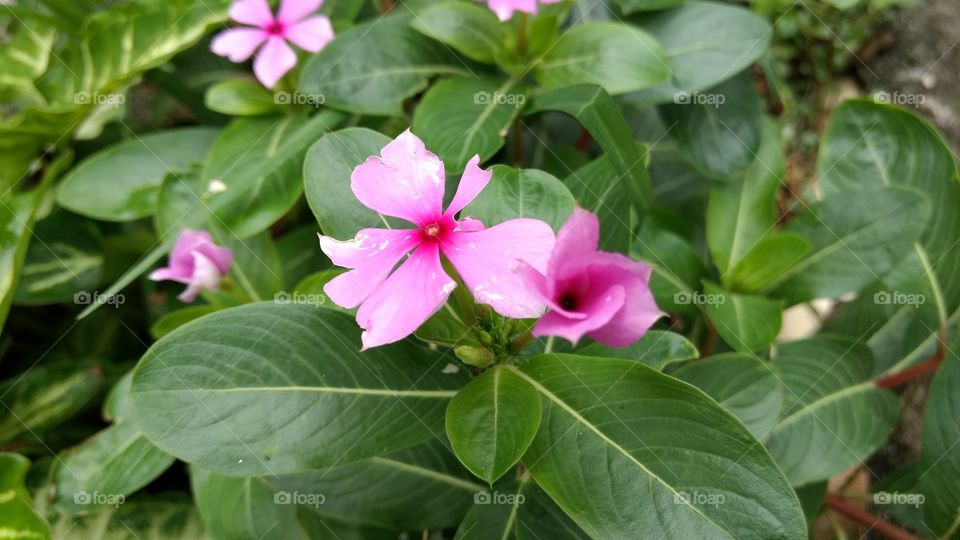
x=505, y=8
x=603, y=295
x=407, y=181
x=197, y=262
x=292, y=23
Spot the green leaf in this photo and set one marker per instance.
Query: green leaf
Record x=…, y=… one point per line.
x=522, y=193
x=116, y=406
x=747, y=323
x=742, y=384
x=833, y=417
x=25, y=55
x=422, y=487
x=629, y=6
x=18, y=520
x=854, y=240
x=373, y=67
x=299, y=254
x=674, y=462
x=45, y=396
x=470, y=29
x=706, y=43
x=106, y=468
x=256, y=264
x=677, y=268
x=718, y=131
x=517, y=510
x=619, y=57
x=135, y=169
x=656, y=349
x=238, y=97
x=461, y=117
x=301, y=367
x=597, y=187
x=445, y=328
x=770, y=258
x=175, y=319
x=940, y=455
x=134, y=520
x=492, y=421
x=66, y=258
x=241, y=507
x=326, y=174
x=811, y=498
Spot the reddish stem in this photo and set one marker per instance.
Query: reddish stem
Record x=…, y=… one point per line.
x=929, y=365
x=876, y=524
x=584, y=141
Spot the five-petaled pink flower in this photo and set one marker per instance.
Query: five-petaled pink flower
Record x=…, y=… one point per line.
x=603, y=295
x=407, y=181
x=505, y=8
x=292, y=23
x=197, y=262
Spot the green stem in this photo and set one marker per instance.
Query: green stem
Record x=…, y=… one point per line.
x=463, y=296
x=522, y=35
x=521, y=342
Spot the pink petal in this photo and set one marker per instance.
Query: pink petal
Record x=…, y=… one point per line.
x=576, y=244
x=409, y=297
x=505, y=8
x=170, y=274
x=372, y=255
x=206, y=276
x=470, y=224
x=472, y=182
x=238, y=44
x=311, y=34
x=292, y=11
x=489, y=261
x=544, y=289
x=221, y=257
x=600, y=310
x=188, y=241
x=273, y=61
x=252, y=12
x=406, y=181
x=640, y=310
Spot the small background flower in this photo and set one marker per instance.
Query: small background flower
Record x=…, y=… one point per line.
x=505, y=8
x=197, y=262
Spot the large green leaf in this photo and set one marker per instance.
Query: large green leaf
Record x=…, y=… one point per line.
x=276, y=388
x=421, y=487
x=619, y=57
x=771, y=257
x=522, y=193
x=834, y=416
x=656, y=349
x=107, y=468
x=492, y=421
x=674, y=463
x=472, y=30
x=18, y=520
x=241, y=507
x=461, y=117
x=706, y=43
x=135, y=169
x=854, y=240
x=743, y=384
x=940, y=457
x=747, y=323
x=373, y=67
x=65, y=258
x=719, y=131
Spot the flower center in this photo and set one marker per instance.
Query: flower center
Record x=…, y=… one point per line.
x=568, y=302
x=432, y=230
x=275, y=28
